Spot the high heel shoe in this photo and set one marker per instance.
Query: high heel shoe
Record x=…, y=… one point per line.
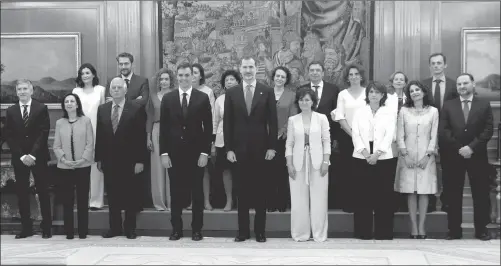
x=421, y=236
x=413, y=236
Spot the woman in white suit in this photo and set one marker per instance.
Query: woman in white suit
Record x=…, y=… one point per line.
x=307, y=150
x=373, y=129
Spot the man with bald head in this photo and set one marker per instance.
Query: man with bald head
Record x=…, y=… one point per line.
x=120, y=142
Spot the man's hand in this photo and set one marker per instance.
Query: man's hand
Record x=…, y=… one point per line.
x=202, y=160
x=28, y=161
x=99, y=167
x=231, y=156
x=109, y=99
x=138, y=168
x=77, y=163
x=139, y=97
x=372, y=160
x=269, y=155
x=466, y=152
x=166, y=161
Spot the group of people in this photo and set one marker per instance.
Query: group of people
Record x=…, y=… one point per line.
x=272, y=146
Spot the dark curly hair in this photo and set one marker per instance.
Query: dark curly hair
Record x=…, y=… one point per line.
x=79, y=81
x=346, y=74
x=426, y=91
x=287, y=74
x=227, y=73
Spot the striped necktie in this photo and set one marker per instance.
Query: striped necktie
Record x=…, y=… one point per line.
x=25, y=115
x=114, y=118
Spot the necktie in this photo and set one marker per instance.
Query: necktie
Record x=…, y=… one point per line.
x=114, y=118
x=316, y=91
x=127, y=82
x=466, y=110
x=436, y=95
x=25, y=115
x=248, y=98
x=184, y=105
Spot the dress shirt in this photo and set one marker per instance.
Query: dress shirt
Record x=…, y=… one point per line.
x=29, y=111
x=442, y=88
x=253, y=86
x=469, y=101
x=320, y=89
x=121, y=105
x=188, y=92
x=129, y=77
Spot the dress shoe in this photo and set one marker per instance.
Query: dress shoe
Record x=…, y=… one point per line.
x=197, y=236
x=282, y=209
x=131, y=234
x=453, y=236
x=70, y=236
x=24, y=234
x=175, y=236
x=82, y=236
x=483, y=236
x=422, y=236
x=445, y=208
x=110, y=234
x=413, y=236
x=95, y=209
x=272, y=209
x=46, y=235
x=260, y=238
x=241, y=238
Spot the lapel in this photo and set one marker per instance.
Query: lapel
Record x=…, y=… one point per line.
x=177, y=104
x=300, y=125
x=258, y=93
x=474, y=108
x=124, y=116
x=240, y=96
x=107, y=115
x=458, y=109
x=191, y=105
x=18, y=117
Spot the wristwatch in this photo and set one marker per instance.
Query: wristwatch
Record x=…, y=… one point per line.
x=326, y=162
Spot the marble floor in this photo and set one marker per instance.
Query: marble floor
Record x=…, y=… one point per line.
x=159, y=250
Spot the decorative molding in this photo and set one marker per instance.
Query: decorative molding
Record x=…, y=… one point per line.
x=407, y=37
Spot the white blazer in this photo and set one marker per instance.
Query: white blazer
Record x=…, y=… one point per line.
x=319, y=139
x=384, y=124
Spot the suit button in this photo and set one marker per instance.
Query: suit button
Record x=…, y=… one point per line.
x=182, y=138
x=465, y=129
x=26, y=136
x=184, y=127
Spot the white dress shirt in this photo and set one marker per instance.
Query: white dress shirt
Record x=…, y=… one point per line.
x=442, y=88
x=320, y=89
x=29, y=111
x=129, y=77
x=188, y=96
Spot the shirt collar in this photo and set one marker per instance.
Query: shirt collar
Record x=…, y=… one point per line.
x=469, y=98
x=129, y=77
x=28, y=103
x=321, y=84
x=253, y=84
x=442, y=78
x=187, y=92
x=121, y=103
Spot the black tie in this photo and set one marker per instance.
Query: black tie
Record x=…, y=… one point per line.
x=316, y=93
x=184, y=105
x=436, y=95
x=466, y=110
x=127, y=82
x=25, y=115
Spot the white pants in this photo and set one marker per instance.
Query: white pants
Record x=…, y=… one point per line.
x=160, y=186
x=96, y=194
x=309, y=203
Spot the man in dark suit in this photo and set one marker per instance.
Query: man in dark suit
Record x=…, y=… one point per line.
x=327, y=101
x=137, y=91
x=250, y=134
x=120, y=142
x=465, y=128
x=27, y=128
x=441, y=90
x=185, y=143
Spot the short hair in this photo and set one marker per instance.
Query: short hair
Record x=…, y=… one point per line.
x=201, y=70
x=183, y=66
x=288, y=74
x=426, y=91
x=359, y=68
x=379, y=87
x=392, y=77
x=159, y=74
x=248, y=57
x=437, y=54
x=467, y=74
x=79, y=105
x=79, y=81
x=227, y=73
x=316, y=63
x=302, y=92
x=24, y=81
x=125, y=54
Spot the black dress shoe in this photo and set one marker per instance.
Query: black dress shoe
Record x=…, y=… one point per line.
x=70, y=236
x=95, y=209
x=272, y=209
x=131, y=234
x=175, y=236
x=24, y=234
x=483, y=236
x=260, y=238
x=110, y=234
x=82, y=236
x=452, y=236
x=241, y=238
x=413, y=236
x=282, y=209
x=197, y=236
x=46, y=235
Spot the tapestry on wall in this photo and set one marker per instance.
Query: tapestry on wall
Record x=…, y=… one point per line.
x=217, y=34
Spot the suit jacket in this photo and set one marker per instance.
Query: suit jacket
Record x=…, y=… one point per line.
x=31, y=139
x=450, y=90
x=83, y=141
x=125, y=147
x=250, y=134
x=138, y=86
x=195, y=130
x=318, y=138
x=328, y=102
x=455, y=132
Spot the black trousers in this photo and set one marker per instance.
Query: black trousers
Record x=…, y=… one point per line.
x=374, y=208
x=186, y=184
x=477, y=169
x=39, y=171
x=279, y=193
x=342, y=191
x=250, y=175
x=79, y=179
